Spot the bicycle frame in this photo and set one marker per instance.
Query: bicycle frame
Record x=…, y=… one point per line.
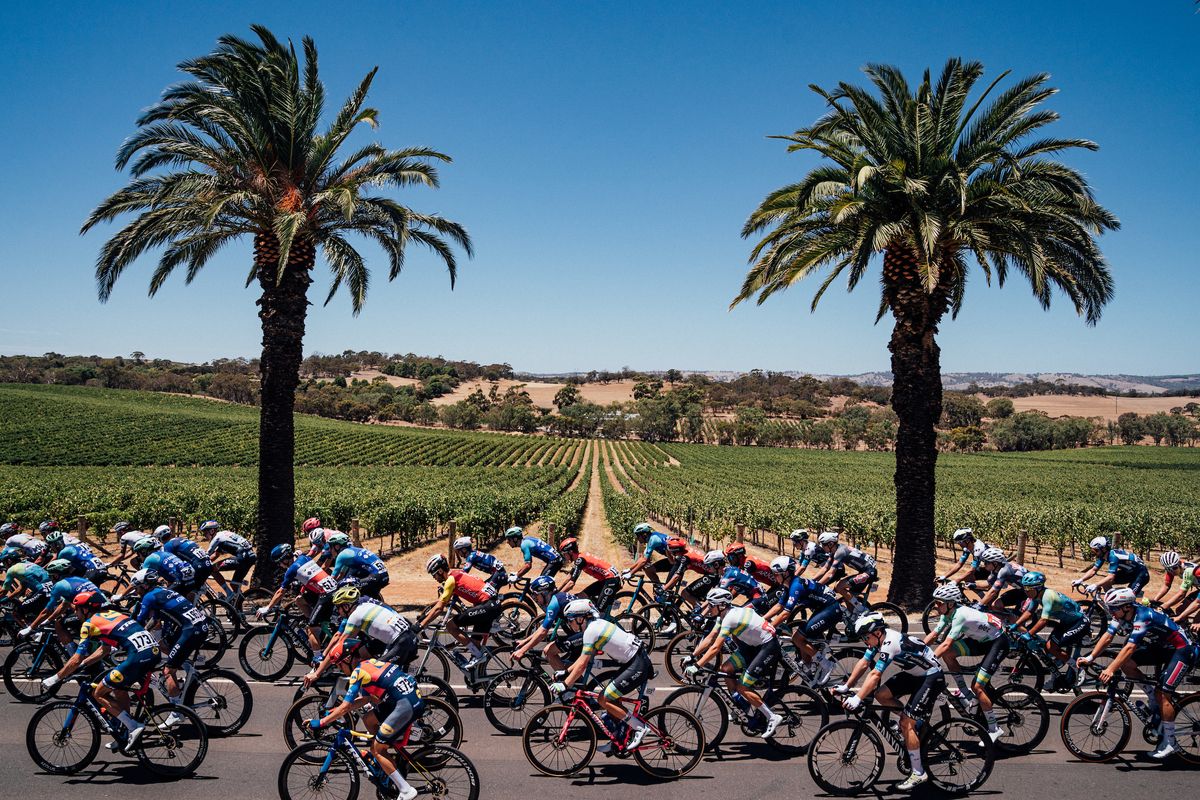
x=583, y=702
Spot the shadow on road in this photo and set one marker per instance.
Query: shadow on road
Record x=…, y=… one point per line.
x=130, y=773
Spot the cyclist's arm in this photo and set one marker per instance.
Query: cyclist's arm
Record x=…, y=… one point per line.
x=577, y=669
x=870, y=684
x=1099, y=647
x=275, y=598
x=707, y=641
x=1188, y=610
x=530, y=641
x=1124, y=655
x=332, y=650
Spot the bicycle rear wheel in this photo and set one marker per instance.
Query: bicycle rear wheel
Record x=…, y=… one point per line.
x=57, y=747
x=303, y=776
x=439, y=724
x=172, y=751
x=216, y=644
x=896, y=618
x=263, y=659
x=846, y=757
x=512, y=698
x=25, y=667
x=1187, y=728
x=705, y=706
x=224, y=614
x=634, y=622
x=674, y=744
x=221, y=699
x=958, y=755
x=432, y=686
x=804, y=714
x=442, y=772
x=844, y=659
x=559, y=741
x=1095, y=727
x=1022, y=715
x=680, y=646
x=515, y=618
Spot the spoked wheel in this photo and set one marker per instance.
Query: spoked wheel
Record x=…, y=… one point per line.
x=303, y=774
x=559, y=741
x=846, y=757
x=515, y=618
x=263, y=659
x=896, y=619
x=431, y=662
x=680, y=646
x=174, y=743
x=1095, y=727
x=665, y=620
x=957, y=754
x=1187, y=728
x=1023, y=716
x=804, y=714
x=442, y=772
x=62, y=739
x=313, y=706
x=844, y=660
x=708, y=709
x=633, y=622
x=1021, y=667
x=25, y=667
x=512, y=698
x=438, y=724
x=431, y=686
x=214, y=648
x=224, y=614
x=673, y=746
x=1097, y=619
x=221, y=699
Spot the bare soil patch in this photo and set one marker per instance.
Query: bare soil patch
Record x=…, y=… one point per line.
x=1107, y=408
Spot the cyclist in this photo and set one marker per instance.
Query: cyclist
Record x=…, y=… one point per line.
x=689, y=558
x=57, y=540
x=27, y=547
x=739, y=582
x=488, y=563
x=8, y=530
x=241, y=555
x=185, y=629
x=192, y=554
x=309, y=525
x=314, y=589
x=66, y=587
x=397, y=704
x=530, y=547
x=1005, y=578
x=842, y=556
x=357, y=562
x=553, y=604
x=1175, y=567
x=825, y=611
x=148, y=554
x=127, y=537
x=385, y=633
x=1047, y=605
x=965, y=631
x=655, y=542
x=758, y=569
x=813, y=554
x=30, y=585
x=316, y=542
x=481, y=611
x=972, y=551
x=111, y=629
x=898, y=666
x=603, y=636
x=1124, y=567
x=606, y=581
x=84, y=562
x=799, y=540
x=1155, y=639
x=755, y=653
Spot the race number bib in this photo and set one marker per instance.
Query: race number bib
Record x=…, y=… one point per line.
x=141, y=641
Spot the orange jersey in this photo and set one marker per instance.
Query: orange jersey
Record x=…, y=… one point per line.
x=467, y=587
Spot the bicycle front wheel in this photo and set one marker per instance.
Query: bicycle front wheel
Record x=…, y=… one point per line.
x=958, y=755
x=512, y=698
x=804, y=714
x=633, y=622
x=221, y=699
x=1095, y=727
x=304, y=776
x=174, y=743
x=707, y=707
x=262, y=658
x=559, y=741
x=674, y=744
x=1187, y=728
x=515, y=619
x=442, y=772
x=1023, y=716
x=62, y=739
x=680, y=647
x=846, y=757
x=25, y=667
x=438, y=723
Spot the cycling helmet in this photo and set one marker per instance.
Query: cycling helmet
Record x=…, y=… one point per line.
x=146, y=545
x=642, y=530
x=677, y=544
x=798, y=535
x=209, y=525
x=55, y=538
x=718, y=597
x=316, y=536
x=580, y=608
x=950, y=593
x=783, y=564
x=827, y=538
x=88, y=600
x=355, y=582
x=514, y=532
x=1099, y=543
x=1169, y=559
x=542, y=584
x=869, y=623
x=993, y=555
x=347, y=594
x=162, y=532
x=1119, y=598
x=281, y=552
x=436, y=563
x=570, y=545
x=46, y=526
x=9, y=554
x=9, y=528
x=122, y=527
x=1033, y=580
x=714, y=557
x=309, y=524
x=58, y=566
x=144, y=577
x=735, y=549
x=962, y=534
x=462, y=543
x=337, y=539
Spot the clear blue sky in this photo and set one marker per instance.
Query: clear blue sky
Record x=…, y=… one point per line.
x=605, y=158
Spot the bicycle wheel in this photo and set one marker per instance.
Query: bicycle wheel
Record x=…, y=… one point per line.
x=707, y=707
x=263, y=659
x=896, y=618
x=846, y=757
x=431, y=686
x=1187, y=728
x=1095, y=727
x=223, y=612
x=172, y=751
x=214, y=648
x=221, y=699
x=1021, y=667
x=113, y=584
x=559, y=741
x=303, y=774
x=439, y=724
x=957, y=754
x=674, y=744
x=1022, y=715
x=680, y=646
x=25, y=667
x=313, y=706
x=251, y=600
x=929, y=616
x=442, y=772
x=515, y=618
x=804, y=714
x=431, y=662
x=513, y=697
x=1097, y=619
x=62, y=739
x=844, y=660
x=665, y=620
x=633, y=622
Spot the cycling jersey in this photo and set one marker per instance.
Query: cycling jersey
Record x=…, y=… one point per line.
x=1008, y=575
x=189, y=551
x=466, y=587
x=900, y=653
x=968, y=623
x=170, y=607
x=1055, y=606
x=852, y=557
x=1189, y=573
x=692, y=559
x=379, y=680
x=604, y=637
x=974, y=553
x=228, y=542
x=173, y=568
x=17, y=539
x=82, y=558
x=814, y=554
x=738, y=581
x=29, y=577
x=130, y=538
x=807, y=593
x=358, y=562
x=532, y=546
x=1122, y=563
x=597, y=568
x=747, y=627
x=555, y=608
x=485, y=561
x=1152, y=629
x=760, y=570
x=655, y=543
x=66, y=589
x=32, y=546
x=115, y=630
x=376, y=621
x=306, y=574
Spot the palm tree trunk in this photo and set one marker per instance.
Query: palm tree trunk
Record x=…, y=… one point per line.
x=282, y=309
x=917, y=401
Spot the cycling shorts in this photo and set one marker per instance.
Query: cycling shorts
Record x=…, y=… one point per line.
x=552, y=567
x=402, y=650
x=603, y=593
x=321, y=606
x=700, y=587
x=187, y=643
x=32, y=605
x=240, y=563
x=633, y=675
x=922, y=691
x=133, y=669
x=394, y=718
x=858, y=584
x=479, y=618
x=373, y=586
x=186, y=588
x=820, y=625
x=1069, y=633
x=756, y=662
x=1138, y=580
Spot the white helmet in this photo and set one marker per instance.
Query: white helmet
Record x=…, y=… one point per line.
x=869, y=623
x=963, y=534
x=782, y=564
x=828, y=537
x=316, y=536
x=462, y=542
x=1099, y=543
x=1117, y=598
x=580, y=608
x=714, y=557
x=162, y=531
x=436, y=562
x=949, y=593
x=798, y=535
x=993, y=555
x=1169, y=559
x=718, y=597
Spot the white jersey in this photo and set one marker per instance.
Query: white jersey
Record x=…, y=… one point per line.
x=968, y=623
x=602, y=636
x=70, y=541
x=743, y=624
x=17, y=540
x=379, y=622
x=228, y=542
x=130, y=538
x=310, y=576
x=901, y=653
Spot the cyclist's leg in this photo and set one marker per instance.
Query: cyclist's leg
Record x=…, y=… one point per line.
x=632, y=677
x=925, y=691
x=392, y=725
x=552, y=567
x=757, y=669
x=983, y=678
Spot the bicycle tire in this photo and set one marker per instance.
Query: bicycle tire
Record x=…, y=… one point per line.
x=894, y=614
x=439, y=723
x=947, y=745
x=158, y=749
x=224, y=711
x=681, y=644
x=830, y=748
x=711, y=712
x=635, y=623
x=512, y=698
x=431, y=771
x=35, y=742
x=307, y=762
x=665, y=620
x=22, y=674
x=1187, y=728
x=1027, y=671
x=254, y=644
x=215, y=646
x=798, y=706
x=551, y=731
x=515, y=618
x=1024, y=717
x=435, y=663
x=928, y=615
x=674, y=734
x=432, y=686
x=224, y=614
x=1083, y=741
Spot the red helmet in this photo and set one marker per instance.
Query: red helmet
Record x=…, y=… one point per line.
x=569, y=545
x=309, y=524
x=675, y=543
x=88, y=600
x=735, y=549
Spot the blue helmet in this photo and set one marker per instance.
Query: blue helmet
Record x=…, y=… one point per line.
x=542, y=584
x=1033, y=580
x=209, y=525
x=281, y=552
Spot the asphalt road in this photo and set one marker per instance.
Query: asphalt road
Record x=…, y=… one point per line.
x=246, y=765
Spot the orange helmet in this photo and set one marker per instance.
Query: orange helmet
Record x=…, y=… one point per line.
x=88, y=600
x=569, y=545
x=675, y=543
x=735, y=549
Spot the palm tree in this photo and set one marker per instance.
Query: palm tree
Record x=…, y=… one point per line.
x=931, y=182
x=236, y=152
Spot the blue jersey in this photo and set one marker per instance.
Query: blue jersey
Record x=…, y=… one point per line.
x=189, y=551
x=81, y=557
x=1152, y=629
x=358, y=562
x=172, y=608
x=655, y=543
x=67, y=588
x=173, y=568
x=1121, y=563
x=485, y=561
x=555, y=609
x=532, y=546
x=739, y=581
x=806, y=593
